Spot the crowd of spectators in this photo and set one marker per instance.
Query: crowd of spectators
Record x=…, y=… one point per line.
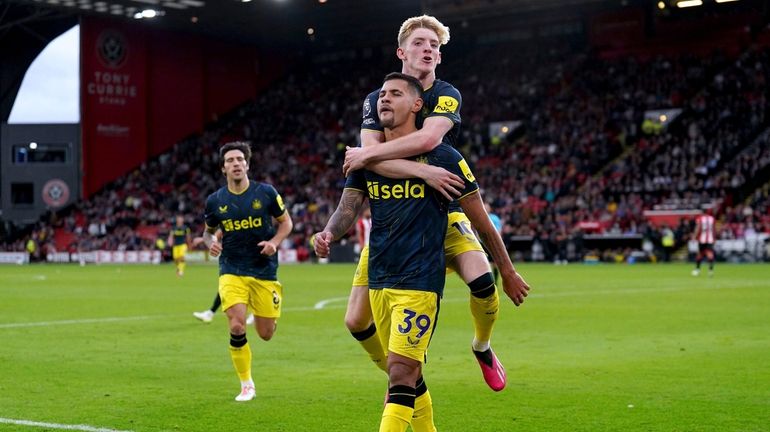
x=578, y=165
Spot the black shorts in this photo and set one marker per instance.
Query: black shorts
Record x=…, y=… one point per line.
x=703, y=247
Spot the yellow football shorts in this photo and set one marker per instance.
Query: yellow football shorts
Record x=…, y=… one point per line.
x=458, y=240
x=459, y=237
x=263, y=297
x=405, y=320
x=179, y=251
x=361, y=278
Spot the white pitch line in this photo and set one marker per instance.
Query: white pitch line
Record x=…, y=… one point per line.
x=329, y=303
x=322, y=304
x=84, y=428
x=81, y=321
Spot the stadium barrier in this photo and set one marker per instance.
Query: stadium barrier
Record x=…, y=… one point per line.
x=106, y=257
x=14, y=258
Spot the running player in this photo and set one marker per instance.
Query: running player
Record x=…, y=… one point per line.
x=179, y=238
x=244, y=211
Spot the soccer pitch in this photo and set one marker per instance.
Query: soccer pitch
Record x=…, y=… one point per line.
x=594, y=348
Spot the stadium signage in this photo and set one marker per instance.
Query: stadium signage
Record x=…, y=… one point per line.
x=56, y=193
x=14, y=258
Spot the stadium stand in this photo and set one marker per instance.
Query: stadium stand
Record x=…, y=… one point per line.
x=579, y=166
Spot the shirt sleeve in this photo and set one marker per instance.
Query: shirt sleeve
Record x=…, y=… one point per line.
x=356, y=180
x=370, y=119
x=210, y=215
x=448, y=104
x=277, y=207
x=451, y=160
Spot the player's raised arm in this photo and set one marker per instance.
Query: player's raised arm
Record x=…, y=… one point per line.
x=513, y=284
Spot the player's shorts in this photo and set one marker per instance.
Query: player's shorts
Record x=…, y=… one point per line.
x=706, y=247
x=405, y=320
x=179, y=251
x=361, y=278
x=459, y=238
x=263, y=297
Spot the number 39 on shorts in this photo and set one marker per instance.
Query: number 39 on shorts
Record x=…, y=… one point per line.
x=411, y=318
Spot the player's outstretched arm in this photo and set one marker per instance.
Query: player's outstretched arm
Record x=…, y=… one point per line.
x=515, y=287
x=340, y=222
x=413, y=144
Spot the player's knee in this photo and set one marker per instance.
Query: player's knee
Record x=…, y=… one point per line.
x=483, y=286
x=266, y=330
x=403, y=371
x=356, y=322
x=237, y=328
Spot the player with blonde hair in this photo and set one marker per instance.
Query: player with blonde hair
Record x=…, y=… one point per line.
x=419, y=42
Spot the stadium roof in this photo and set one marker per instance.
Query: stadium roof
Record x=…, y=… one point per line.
x=284, y=22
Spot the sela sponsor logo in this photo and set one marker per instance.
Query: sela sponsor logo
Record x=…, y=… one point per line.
x=241, y=224
x=56, y=193
x=399, y=190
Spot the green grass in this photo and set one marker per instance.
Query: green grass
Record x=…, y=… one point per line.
x=594, y=348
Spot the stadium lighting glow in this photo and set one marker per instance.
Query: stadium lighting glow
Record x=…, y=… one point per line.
x=149, y=13
x=32, y=145
x=725, y=1
x=663, y=118
x=245, y=1
x=310, y=30
x=689, y=3
x=661, y=5
x=504, y=129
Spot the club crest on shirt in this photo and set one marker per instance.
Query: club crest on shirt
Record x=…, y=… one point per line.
x=256, y=204
x=422, y=159
x=223, y=209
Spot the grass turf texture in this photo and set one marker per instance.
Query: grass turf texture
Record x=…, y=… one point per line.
x=594, y=348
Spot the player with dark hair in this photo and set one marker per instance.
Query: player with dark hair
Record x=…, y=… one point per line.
x=405, y=271
x=419, y=42
x=244, y=211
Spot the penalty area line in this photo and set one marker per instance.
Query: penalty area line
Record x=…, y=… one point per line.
x=84, y=428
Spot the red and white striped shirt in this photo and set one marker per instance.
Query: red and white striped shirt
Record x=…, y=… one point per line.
x=704, y=230
x=363, y=227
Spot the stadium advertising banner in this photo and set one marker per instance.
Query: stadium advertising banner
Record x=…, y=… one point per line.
x=113, y=100
x=106, y=257
x=14, y=258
